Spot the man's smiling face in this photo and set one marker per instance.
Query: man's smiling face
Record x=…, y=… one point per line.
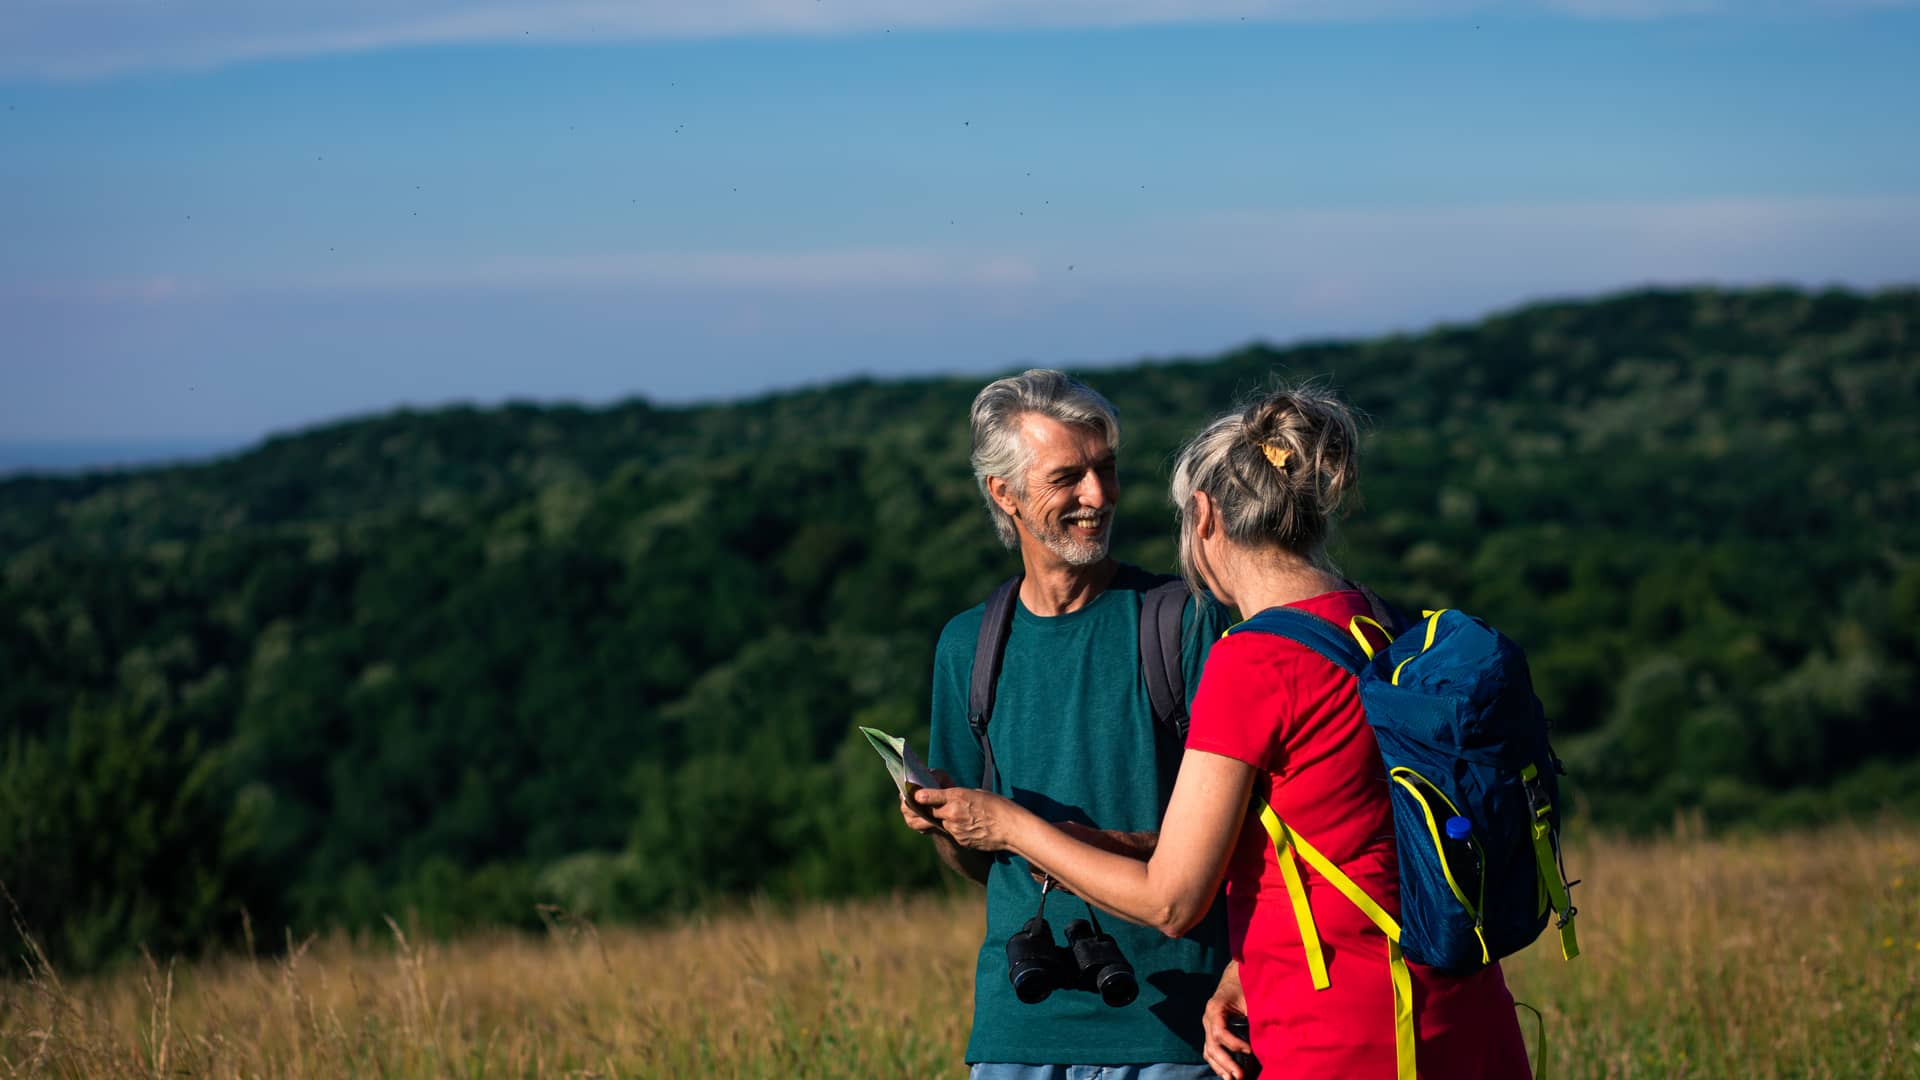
x=1071, y=485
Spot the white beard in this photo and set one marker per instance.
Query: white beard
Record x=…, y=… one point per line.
x=1071, y=549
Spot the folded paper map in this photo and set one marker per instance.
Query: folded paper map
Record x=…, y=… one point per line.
x=909, y=773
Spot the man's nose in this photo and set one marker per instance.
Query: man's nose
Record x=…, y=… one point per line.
x=1093, y=489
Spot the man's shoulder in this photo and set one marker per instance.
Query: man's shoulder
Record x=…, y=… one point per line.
x=1208, y=617
x=959, y=636
x=963, y=627
x=1200, y=611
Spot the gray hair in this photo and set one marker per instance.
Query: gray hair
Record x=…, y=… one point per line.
x=998, y=449
x=1263, y=503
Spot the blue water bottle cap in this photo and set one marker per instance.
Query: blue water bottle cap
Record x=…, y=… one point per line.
x=1459, y=828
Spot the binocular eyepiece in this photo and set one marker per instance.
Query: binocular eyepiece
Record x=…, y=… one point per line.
x=1090, y=960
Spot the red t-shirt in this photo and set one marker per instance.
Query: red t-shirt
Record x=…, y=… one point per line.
x=1292, y=714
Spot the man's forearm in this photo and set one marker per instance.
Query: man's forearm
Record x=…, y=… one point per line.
x=972, y=865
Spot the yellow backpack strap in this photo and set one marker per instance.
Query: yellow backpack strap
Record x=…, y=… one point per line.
x=1285, y=839
x=1353, y=627
x=1550, y=878
x=1433, y=628
x=1403, y=1034
x=1297, y=893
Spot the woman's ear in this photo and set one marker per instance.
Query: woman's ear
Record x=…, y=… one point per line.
x=1206, y=516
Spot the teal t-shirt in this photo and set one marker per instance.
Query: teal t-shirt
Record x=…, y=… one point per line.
x=1073, y=740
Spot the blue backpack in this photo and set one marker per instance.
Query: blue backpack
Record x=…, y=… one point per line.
x=1475, y=797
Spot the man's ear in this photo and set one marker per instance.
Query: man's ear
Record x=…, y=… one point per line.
x=1001, y=493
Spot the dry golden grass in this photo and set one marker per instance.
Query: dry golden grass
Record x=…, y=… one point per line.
x=1785, y=956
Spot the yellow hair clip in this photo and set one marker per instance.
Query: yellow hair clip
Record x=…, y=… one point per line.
x=1278, y=455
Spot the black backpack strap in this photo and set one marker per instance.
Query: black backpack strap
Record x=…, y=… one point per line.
x=1160, y=655
x=988, y=650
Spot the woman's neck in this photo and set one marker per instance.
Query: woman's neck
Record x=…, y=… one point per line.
x=1266, y=582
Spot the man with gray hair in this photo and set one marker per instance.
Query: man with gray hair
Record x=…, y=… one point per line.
x=1068, y=727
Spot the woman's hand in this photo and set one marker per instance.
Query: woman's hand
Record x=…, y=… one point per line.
x=976, y=819
x=1223, y=1046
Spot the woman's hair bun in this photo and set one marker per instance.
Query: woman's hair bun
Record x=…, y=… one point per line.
x=1279, y=469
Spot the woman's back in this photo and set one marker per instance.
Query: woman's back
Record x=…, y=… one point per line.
x=1297, y=718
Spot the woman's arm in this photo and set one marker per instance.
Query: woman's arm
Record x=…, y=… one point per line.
x=1170, y=892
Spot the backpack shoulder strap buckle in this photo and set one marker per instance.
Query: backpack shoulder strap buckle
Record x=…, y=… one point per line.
x=1536, y=792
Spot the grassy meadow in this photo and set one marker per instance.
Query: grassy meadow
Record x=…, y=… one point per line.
x=1784, y=956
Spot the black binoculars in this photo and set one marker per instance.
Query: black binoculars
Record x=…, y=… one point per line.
x=1090, y=960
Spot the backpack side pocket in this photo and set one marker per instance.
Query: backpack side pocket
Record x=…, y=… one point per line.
x=1442, y=879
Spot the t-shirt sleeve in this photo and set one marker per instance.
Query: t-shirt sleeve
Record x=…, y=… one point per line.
x=1242, y=705
x=951, y=745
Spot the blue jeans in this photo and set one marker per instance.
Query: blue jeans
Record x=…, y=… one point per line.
x=998, y=1070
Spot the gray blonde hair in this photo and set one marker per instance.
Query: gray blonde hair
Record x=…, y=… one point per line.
x=998, y=449
x=1277, y=470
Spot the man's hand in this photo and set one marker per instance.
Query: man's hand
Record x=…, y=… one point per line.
x=1229, y=1002
x=972, y=865
x=977, y=820
x=917, y=818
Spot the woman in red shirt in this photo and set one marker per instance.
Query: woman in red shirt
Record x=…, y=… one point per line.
x=1257, y=493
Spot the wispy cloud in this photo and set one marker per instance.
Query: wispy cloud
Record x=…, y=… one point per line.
x=1467, y=258
x=855, y=268
x=65, y=39
x=1360, y=260
x=795, y=272
x=178, y=354
x=142, y=289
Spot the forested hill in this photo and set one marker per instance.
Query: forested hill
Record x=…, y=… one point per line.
x=462, y=662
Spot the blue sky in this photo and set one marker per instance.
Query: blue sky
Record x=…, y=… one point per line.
x=223, y=219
